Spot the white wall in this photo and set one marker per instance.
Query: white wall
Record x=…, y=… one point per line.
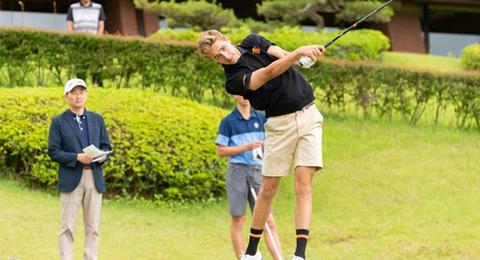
x=37, y=20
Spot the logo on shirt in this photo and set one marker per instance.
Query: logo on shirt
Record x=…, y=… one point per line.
x=256, y=50
x=256, y=125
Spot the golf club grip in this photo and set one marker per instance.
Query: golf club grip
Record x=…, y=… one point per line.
x=328, y=44
x=340, y=35
x=336, y=38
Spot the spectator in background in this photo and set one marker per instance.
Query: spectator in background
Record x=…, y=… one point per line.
x=240, y=133
x=86, y=16
x=80, y=179
x=89, y=17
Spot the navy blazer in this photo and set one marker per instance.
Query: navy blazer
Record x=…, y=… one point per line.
x=64, y=144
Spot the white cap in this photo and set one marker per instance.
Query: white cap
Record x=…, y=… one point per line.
x=74, y=83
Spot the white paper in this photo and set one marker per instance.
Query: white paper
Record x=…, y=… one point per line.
x=94, y=152
x=257, y=154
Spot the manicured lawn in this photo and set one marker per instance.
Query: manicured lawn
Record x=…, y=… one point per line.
x=421, y=61
x=388, y=191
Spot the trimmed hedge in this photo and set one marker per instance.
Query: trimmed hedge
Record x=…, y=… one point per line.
x=39, y=58
x=386, y=91
x=471, y=57
x=178, y=70
x=163, y=147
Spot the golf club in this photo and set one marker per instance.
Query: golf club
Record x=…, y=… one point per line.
x=353, y=26
x=306, y=62
x=267, y=228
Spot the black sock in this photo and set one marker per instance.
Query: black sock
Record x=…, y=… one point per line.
x=302, y=238
x=255, y=235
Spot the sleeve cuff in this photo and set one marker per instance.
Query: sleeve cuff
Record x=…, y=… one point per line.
x=222, y=140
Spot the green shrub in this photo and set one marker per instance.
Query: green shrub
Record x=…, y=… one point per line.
x=163, y=147
x=471, y=57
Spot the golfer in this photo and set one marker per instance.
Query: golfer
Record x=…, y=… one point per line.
x=264, y=74
x=240, y=136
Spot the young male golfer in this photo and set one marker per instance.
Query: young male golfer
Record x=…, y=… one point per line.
x=263, y=73
x=239, y=135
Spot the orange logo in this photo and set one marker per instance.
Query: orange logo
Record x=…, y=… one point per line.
x=256, y=50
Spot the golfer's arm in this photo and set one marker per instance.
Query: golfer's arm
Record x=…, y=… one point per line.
x=230, y=150
x=277, y=52
x=263, y=75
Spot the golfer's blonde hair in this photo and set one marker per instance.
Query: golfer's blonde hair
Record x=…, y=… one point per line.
x=207, y=39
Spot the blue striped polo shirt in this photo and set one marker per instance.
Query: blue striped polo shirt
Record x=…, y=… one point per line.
x=235, y=130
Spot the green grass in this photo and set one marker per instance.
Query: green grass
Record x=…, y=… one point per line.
x=388, y=191
x=421, y=61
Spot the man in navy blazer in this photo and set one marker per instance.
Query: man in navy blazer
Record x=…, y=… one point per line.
x=80, y=181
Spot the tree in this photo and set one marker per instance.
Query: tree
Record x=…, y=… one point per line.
x=199, y=15
x=295, y=11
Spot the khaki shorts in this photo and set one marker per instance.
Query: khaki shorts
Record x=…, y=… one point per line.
x=293, y=139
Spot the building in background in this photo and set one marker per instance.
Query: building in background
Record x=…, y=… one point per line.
x=439, y=27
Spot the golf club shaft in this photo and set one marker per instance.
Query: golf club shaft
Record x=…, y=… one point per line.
x=267, y=228
x=357, y=23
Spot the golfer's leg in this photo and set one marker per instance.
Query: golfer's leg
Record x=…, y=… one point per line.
x=92, y=203
x=71, y=202
x=236, y=234
x=264, y=202
x=303, y=208
x=262, y=210
x=273, y=229
x=303, y=192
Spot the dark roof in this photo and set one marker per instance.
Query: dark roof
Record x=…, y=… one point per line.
x=448, y=2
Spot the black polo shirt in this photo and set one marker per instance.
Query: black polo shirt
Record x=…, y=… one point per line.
x=287, y=93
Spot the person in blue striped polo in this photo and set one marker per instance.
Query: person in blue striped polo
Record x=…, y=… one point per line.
x=240, y=136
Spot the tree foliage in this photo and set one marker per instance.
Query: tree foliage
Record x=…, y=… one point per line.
x=200, y=15
x=295, y=11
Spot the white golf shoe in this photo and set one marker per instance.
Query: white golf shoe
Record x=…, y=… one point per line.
x=257, y=256
x=294, y=257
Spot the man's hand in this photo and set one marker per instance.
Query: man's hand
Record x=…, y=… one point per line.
x=311, y=51
x=254, y=145
x=234, y=150
x=102, y=159
x=84, y=158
